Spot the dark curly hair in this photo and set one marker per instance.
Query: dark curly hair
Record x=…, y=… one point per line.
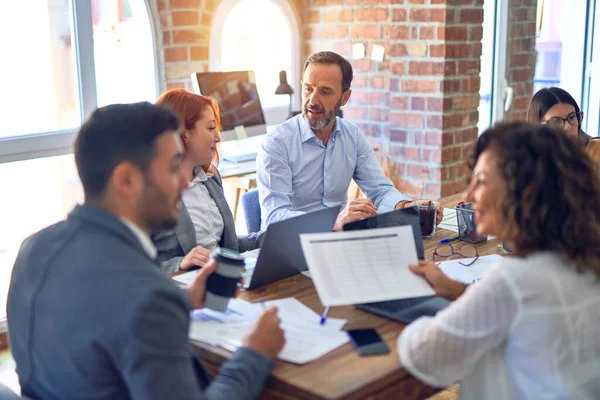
x=552, y=200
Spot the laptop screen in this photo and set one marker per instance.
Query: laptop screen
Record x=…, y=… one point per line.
x=405, y=216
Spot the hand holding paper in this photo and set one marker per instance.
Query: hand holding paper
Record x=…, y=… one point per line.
x=363, y=266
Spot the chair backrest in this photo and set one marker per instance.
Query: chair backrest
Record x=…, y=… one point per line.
x=251, y=210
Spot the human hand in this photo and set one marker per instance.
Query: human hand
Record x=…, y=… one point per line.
x=267, y=336
x=443, y=286
x=439, y=214
x=197, y=257
x=197, y=289
x=354, y=210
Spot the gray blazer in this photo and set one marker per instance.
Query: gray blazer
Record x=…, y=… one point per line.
x=92, y=316
x=174, y=244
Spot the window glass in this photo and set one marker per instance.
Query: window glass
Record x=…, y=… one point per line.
x=36, y=193
x=39, y=86
x=487, y=66
x=123, y=52
x=248, y=43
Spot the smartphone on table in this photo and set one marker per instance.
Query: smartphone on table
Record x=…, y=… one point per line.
x=367, y=342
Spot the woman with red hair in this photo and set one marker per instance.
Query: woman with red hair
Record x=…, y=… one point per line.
x=205, y=220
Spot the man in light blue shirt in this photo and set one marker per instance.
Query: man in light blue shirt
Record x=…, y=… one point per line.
x=307, y=163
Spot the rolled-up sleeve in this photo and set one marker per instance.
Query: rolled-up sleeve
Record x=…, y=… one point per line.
x=370, y=178
x=275, y=188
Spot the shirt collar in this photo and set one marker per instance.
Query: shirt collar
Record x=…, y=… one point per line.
x=199, y=176
x=142, y=237
x=307, y=133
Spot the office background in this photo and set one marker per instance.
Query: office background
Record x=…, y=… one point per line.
x=449, y=69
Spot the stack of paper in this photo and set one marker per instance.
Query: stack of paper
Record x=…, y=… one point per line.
x=449, y=221
x=306, y=339
x=472, y=273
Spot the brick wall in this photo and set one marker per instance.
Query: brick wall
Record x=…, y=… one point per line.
x=421, y=102
x=521, y=56
x=184, y=38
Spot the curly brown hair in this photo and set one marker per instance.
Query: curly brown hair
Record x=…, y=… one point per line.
x=552, y=200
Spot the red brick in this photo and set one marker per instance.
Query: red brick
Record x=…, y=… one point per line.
x=428, y=15
x=453, y=33
x=313, y=17
x=426, y=33
x=333, y=32
x=434, y=121
x=308, y=33
x=166, y=38
x=372, y=15
x=199, y=53
x=398, y=14
x=471, y=15
x=399, y=103
x=407, y=120
x=337, y=16
x=355, y=113
x=376, y=2
x=365, y=31
x=412, y=153
x=175, y=85
x=434, y=104
x=189, y=36
x=398, y=68
x=206, y=19
x=182, y=18
x=396, y=32
x=419, y=171
x=426, y=68
x=398, y=50
x=185, y=3
x=359, y=82
x=176, y=54
x=470, y=67
x=378, y=82
x=379, y=114
x=417, y=103
x=420, y=86
x=437, y=50
x=395, y=135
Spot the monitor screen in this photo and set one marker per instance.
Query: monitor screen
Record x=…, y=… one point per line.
x=238, y=100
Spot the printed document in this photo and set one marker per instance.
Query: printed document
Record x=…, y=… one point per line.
x=474, y=272
x=363, y=266
x=306, y=339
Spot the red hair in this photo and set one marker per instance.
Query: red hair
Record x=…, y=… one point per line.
x=190, y=107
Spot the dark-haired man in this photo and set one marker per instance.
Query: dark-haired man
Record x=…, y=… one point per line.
x=91, y=313
x=307, y=163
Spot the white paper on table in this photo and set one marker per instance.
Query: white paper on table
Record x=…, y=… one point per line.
x=186, y=278
x=454, y=270
x=306, y=340
x=363, y=266
x=449, y=220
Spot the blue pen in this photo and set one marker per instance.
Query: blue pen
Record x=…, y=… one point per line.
x=324, y=316
x=449, y=239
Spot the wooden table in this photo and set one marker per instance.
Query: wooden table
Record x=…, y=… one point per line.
x=341, y=374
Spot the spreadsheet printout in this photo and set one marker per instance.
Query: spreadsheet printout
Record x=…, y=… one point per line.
x=363, y=266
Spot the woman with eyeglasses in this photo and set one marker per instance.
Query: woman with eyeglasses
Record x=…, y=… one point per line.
x=555, y=107
x=531, y=327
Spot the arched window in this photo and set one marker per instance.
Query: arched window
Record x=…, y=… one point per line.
x=242, y=38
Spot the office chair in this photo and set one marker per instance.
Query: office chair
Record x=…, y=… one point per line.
x=251, y=210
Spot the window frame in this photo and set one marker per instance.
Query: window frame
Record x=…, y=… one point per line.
x=59, y=142
x=276, y=114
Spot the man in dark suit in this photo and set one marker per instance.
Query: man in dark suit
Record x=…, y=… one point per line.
x=90, y=313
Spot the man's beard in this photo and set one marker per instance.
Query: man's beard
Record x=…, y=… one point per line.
x=327, y=116
x=152, y=201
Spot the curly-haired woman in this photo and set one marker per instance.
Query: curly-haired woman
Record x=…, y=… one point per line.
x=531, y=328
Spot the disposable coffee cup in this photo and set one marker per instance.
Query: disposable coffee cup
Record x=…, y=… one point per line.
x=222, y=284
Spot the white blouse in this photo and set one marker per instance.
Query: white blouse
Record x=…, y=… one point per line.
x=205, y=215
x=529, y=330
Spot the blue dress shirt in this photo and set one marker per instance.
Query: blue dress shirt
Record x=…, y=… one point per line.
x=298, y=174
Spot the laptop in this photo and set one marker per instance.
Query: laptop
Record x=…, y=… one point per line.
x=280, y=254
x=405, y=310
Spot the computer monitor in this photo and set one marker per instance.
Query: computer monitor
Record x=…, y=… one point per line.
x=238, y=100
